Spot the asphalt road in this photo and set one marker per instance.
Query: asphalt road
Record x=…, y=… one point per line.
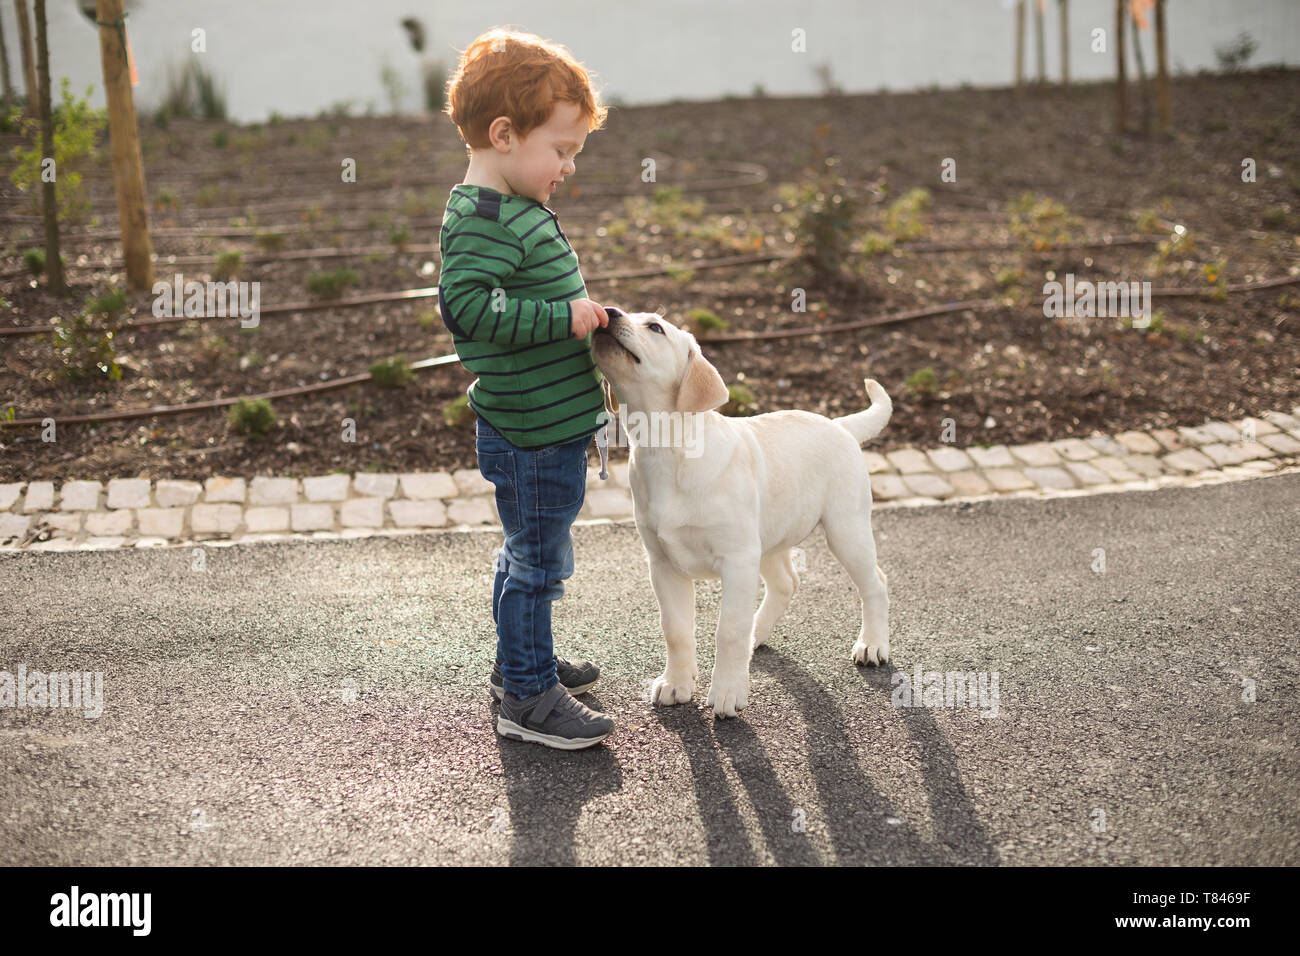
x=324, y=702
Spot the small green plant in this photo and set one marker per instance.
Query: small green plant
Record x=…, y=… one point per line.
x=1179, y=243
x=251, y=416
x=331, y=285
x=83, y=346
x=434, y=82
x=213, y=349
x=457, y=411
x=877, y=244
x=1232, y=56
x=269, y=241
x=903, y=218
x=1007, y=278
x=208, y=195
x=740, y=401
x=228, y=264
x=702, y=320
x=34, y=260
x=1040, y=222
x=1148, y=221
x=76, y=127
x=220, y=139
x=822, y=217
x=166, y=200
x=923, y=383
x=427, y=320
x=400, y=238
x=1275, y=217
x=391, y=373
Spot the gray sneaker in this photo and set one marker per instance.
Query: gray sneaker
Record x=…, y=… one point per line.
x=577, y=676
x=552, y=718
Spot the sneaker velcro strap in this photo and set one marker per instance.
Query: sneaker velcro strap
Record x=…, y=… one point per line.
x=544, y=706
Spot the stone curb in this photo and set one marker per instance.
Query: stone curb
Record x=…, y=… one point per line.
x=139, y=512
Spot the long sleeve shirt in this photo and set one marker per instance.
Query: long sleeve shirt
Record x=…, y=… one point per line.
x=508, y=276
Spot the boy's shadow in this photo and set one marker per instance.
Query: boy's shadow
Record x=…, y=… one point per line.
x=547, y=790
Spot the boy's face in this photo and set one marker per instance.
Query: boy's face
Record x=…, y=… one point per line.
x=546, y=155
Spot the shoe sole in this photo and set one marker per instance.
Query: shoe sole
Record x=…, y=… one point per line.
x=498, y=691
x=508, y=728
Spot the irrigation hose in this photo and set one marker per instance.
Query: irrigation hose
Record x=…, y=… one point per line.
x=973, y=305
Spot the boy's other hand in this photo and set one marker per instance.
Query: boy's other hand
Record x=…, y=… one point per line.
x=587, y=316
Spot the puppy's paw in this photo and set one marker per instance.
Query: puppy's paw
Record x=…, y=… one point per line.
x=669, y=689
x=871, y=654
x=728, y=694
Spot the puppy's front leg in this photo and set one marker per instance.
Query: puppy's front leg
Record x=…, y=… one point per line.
x=729, y=692
x=676, y=595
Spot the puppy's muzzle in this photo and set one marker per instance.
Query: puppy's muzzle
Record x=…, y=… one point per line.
x=613, y=331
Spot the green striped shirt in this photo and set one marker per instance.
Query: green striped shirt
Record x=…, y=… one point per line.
x=508, y=275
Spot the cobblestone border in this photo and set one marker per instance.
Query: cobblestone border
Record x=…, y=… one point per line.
x=139, y=512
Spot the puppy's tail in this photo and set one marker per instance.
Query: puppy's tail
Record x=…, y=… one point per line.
x=869, y=424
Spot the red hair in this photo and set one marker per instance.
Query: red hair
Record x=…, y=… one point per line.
x=507, y=72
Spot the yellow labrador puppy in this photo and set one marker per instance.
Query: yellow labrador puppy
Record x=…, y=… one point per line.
x=722, y=497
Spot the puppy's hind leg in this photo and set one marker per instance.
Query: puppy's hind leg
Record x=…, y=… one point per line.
x=780, y=582
x=849, y=535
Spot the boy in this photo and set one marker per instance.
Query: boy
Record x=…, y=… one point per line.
x=512, y=295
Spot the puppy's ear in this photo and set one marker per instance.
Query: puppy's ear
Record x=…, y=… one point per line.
x=702, y=388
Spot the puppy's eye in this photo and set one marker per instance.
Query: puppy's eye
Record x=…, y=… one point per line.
x=654, y=327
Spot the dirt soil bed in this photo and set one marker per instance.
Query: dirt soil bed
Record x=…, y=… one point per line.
x=1006, y=375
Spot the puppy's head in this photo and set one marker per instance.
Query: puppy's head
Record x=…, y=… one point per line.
x=654, y=366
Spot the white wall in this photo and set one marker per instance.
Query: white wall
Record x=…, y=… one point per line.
x=300, y=57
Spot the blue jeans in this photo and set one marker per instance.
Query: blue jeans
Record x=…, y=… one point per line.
x=539, y=492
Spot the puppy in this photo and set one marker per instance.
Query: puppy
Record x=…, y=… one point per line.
x=731, y=498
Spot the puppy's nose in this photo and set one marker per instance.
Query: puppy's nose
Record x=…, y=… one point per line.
x=613, y=313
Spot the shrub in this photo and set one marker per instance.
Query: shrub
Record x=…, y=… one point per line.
x=903, y=218
x=331, y=285
x=823, y=223
x=269, y=241
x=877, y=244
x=391, y=373
x=702, y=320
x=740, y=401
x=923, y=383
x=76, y=127
x=251, y=416
x=1040, y=222
x=228, y=264
x=83, y=346
x=457, y=412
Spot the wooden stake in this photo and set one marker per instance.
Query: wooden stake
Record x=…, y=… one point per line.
x=49, y=199
x=1065, y=43
x=1162, y=68
x=1020, y=43
x=128, y=170
x=4, y=64
x=1121, y=94
x=29, y=61
x=1038, y=40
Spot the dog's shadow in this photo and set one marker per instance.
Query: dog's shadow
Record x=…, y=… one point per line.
x=854, y=811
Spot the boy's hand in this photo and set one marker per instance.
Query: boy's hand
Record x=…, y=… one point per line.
x=587, y=316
